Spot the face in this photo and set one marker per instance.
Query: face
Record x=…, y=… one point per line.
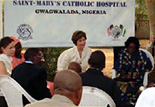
x=18, y=47
x=9, y=50
x=132, y=48
x=81, y=42
x=39, y=59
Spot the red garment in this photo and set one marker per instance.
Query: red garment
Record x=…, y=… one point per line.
x=50, y=86
x=17, y=61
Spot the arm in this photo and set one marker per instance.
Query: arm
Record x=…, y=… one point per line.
x=143, y=66
x=63, y=61
x=148, y=63
x=39, y=85
x=117, y=63
x=3, y=70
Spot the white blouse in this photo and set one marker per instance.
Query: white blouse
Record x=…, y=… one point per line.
x=71, y=55
x=7, y=62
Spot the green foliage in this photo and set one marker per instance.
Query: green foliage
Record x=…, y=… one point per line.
x=51, y=55
x=141, y=10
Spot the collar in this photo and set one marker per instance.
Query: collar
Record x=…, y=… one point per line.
x=84, y=52
x=62, y=98
x=94, y=71
x=29, y=62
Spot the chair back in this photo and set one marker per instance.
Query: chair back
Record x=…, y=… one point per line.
x=13, y=92
x=150, y=57
x=145, y=81
x=92, y=96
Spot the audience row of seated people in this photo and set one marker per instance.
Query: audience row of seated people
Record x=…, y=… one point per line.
x=130, y=68
x=31, y=76
x=67, y=91
x=28, y=74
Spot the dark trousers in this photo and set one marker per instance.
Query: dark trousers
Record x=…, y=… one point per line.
x=3, y=102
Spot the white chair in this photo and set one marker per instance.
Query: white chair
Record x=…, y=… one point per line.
x=146, y=98
x=92, y=96
x=13, y=92
x=145, y=81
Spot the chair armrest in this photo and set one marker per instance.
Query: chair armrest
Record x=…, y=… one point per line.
x=113, y=73
x=145, y=80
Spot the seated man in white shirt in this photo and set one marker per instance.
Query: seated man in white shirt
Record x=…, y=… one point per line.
x=67, y=89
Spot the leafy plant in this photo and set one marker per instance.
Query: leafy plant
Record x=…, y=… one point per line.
x=51, y=56
x=140, y=10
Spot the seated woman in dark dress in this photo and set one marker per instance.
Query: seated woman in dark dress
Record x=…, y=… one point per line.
x=131, y=67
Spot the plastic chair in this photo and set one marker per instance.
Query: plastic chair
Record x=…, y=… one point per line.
x=92, y=96
x=146, y=98
x=145, y=81
x=13, y=92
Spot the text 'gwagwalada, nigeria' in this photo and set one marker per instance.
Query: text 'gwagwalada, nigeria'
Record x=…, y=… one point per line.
x=75, y=12
x=69, y=3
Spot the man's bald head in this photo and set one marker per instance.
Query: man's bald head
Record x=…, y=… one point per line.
x=75, y=66
x=68, y=83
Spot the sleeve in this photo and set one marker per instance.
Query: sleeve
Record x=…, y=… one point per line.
x=3, y=70
x=40, y=85
x=147, y=62
x=63, y=61
x=144, y=66
x=90, y=51
x=117, y=63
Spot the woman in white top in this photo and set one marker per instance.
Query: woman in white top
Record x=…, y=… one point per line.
x=7, y=49
x=79, y=53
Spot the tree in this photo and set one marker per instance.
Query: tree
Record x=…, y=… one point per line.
x=140, y=10
x=150, y=4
